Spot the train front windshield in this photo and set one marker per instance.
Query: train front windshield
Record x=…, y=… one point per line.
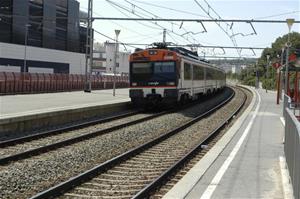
x=147, y=73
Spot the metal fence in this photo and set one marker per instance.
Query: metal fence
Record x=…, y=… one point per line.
x=15, y=83
x=286, y=104
x=292, y=145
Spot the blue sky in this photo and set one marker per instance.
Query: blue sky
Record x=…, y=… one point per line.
x=146, y=32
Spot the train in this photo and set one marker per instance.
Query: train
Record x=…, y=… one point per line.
x=170, y=75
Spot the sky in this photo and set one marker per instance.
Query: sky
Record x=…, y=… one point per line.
x=192, y=32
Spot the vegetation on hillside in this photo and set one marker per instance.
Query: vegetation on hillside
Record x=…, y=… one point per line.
x=248, y=75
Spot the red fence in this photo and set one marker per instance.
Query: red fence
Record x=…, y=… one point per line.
x=13, y=83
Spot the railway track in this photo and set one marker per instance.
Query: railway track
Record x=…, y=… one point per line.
x=21, y=148
x=140, y=171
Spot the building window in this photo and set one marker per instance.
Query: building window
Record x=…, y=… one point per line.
x=5, y=22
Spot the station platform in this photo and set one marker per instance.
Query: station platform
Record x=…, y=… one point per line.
x=22, y=105
x=22, y=114
x=247, y=162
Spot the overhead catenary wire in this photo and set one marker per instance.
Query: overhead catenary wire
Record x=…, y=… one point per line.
x=179, y=25
x=164, y=19
x=172, y=23
x=155, y=16
x=117, y=6
x=203, y=46
x=194, y=20
x=168, y=8
x=108, y=37
x=124, y=27
x=142, y=17
x=278, y=15
x=219, y=17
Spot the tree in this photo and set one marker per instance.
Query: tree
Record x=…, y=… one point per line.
x=275, y=53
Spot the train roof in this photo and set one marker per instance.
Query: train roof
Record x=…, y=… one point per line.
x=181, y=51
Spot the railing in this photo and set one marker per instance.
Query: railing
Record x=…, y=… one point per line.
x=292, y=144
x=286, y=104
x=16, y=83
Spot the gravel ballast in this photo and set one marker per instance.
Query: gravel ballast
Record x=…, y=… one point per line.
x=66, y=135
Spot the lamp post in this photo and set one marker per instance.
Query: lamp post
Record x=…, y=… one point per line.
x=115, y=61
x=257, y=78
x=281, y=79
x=290, y=24
x=25, y=48
x=268, y=57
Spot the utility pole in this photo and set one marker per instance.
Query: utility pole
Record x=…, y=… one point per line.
x=89, y=48
x=257, y=77
x=117, y=32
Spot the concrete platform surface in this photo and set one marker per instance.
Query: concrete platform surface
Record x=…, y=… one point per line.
x=246, y=162
x=21, y=105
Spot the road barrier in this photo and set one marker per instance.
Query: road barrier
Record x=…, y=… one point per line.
x=17, y=83
x=292, y=145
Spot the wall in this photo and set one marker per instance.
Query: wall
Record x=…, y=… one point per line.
x=292, y=148
x=75, y=62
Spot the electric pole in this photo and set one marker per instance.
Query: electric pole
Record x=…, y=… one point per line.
x=89, y=48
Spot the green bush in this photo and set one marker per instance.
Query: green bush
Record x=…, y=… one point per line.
x=250, y=81
x=269, y=84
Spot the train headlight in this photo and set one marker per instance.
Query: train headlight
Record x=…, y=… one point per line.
x=134, y=84
x=171, y=83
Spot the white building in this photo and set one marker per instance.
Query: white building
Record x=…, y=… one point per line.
x=40, y=60
x=99, y=58
x=104, y=55
x=235, y=69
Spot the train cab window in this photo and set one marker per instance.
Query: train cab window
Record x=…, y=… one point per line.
x=141, y=68
x=187, y=71
x=164, y=67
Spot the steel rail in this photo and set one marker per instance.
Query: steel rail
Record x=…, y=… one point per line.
x=144, y=193
x=27, y=138
x=73, y=140
x=87, y=175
